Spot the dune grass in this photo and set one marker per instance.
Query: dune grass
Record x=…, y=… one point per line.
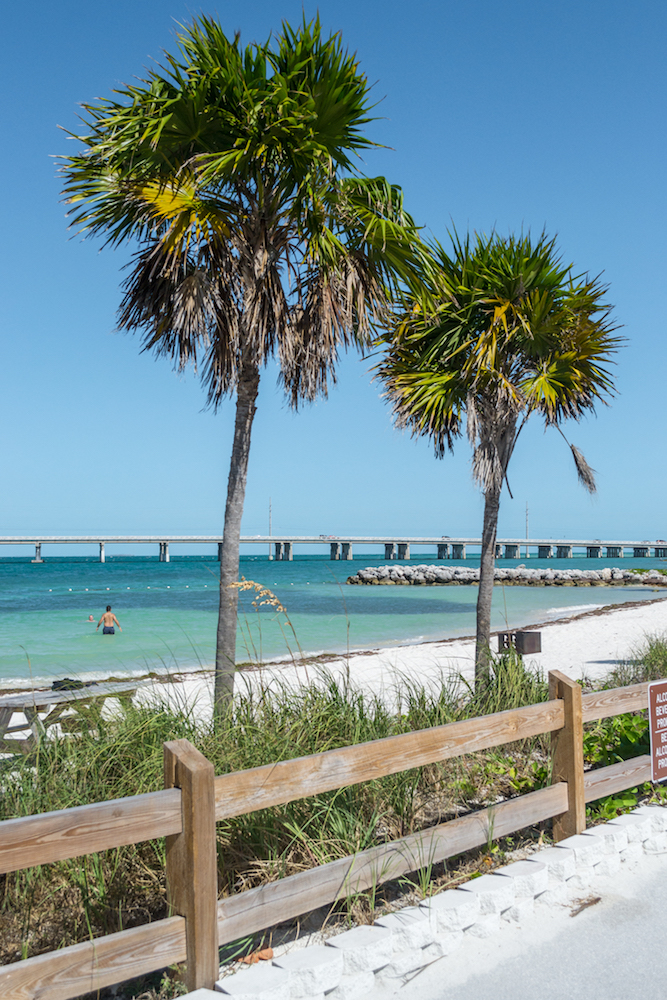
x=51, y=906
x=647, y=662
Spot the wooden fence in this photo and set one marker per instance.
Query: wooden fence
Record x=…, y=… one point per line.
x=193, y=799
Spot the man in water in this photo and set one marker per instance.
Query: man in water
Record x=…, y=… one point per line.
x=109, y=620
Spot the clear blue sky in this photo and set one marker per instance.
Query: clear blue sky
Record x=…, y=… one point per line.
x=497, y=114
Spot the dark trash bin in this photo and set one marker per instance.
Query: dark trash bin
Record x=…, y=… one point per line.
x=525, y=642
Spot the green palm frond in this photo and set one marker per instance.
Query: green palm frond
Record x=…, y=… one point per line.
x=508, y=324
x=233, y=168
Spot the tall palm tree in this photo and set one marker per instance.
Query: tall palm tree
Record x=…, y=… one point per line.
x=232, y=171
x=505, y=331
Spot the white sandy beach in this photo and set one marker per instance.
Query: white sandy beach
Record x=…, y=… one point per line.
x=586, y=645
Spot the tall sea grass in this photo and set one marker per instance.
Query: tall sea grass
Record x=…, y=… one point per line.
x=647, y=662
x=50, y=906
x=54, y=905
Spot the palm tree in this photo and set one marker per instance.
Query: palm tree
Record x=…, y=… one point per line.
x=505, y=331
x=232, y=172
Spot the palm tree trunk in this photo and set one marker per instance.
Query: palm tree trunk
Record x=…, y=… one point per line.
x=485, y=594
x=225, y=654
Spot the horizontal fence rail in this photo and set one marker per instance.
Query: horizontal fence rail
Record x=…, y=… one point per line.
x=617, y=701
x=256, y=909
x=87, y=967
x=275, y=784
x=616, y=777
x=186, y=815
x=69, y=833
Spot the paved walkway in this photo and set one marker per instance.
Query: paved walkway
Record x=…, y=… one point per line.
x=612, y=950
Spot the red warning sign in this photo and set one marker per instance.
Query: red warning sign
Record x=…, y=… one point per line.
x=657, y=721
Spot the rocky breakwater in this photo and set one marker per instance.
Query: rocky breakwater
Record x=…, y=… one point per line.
x=521, y=576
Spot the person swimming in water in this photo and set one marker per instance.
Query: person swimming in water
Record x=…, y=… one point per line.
x=109, y=620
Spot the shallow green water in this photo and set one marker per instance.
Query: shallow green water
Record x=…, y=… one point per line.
x=168, y=611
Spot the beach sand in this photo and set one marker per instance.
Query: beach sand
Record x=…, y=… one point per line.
x=586, y=645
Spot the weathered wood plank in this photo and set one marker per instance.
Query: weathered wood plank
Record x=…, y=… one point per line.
x=192, y=877
x=5, y=719
x=567, y=755
x=39, y=700
x=604, y=704
x=68, y=833
x=87, y=967
x=13, y=745
x=274, y=784
x=260, y=908
x=617, y=777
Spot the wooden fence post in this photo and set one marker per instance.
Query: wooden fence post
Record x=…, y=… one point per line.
x=192, y=877
x=567, y=755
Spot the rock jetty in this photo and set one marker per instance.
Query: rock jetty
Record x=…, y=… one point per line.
x=520, y=576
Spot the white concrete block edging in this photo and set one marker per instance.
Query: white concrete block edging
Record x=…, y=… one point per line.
x=258, y=982
x=400, y=943
x=312, y=970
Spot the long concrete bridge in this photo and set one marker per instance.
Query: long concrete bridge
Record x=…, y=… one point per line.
x=281, y=547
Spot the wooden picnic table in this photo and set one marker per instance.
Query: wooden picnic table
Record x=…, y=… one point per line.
x=44, y=708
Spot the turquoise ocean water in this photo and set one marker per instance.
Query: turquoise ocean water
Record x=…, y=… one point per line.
x=168, y=611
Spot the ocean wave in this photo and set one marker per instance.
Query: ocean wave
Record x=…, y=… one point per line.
x=573, y=607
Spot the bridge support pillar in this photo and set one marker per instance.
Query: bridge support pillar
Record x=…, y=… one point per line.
x=164, y=551
x=545, y=551
x=443, y=551
x=563, y=551
x=287, y=551
x=499, y=551
x=38, y=553
x=103, y=557
x=616, y=551
x=390, y=550
x=660, y=553
x=335, y=550
x=403, y=550
x=593, y=551
x=640, y=551
x=511, y=552
x=279, y=551
x=219, y=551
x=346, y=550
x=458, y=551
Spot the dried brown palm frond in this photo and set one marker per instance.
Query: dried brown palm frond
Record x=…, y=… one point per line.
x=584, y=472
x=332, y=309
x=491, y=430
x=179, y=301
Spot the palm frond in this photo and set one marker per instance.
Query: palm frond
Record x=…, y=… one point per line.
x=585, y=474
x=517, y=331
x=234, y=169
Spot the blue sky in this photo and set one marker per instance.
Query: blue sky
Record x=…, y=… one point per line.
x=513, y=114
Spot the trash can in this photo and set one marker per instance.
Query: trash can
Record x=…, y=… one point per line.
x=525, y=642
